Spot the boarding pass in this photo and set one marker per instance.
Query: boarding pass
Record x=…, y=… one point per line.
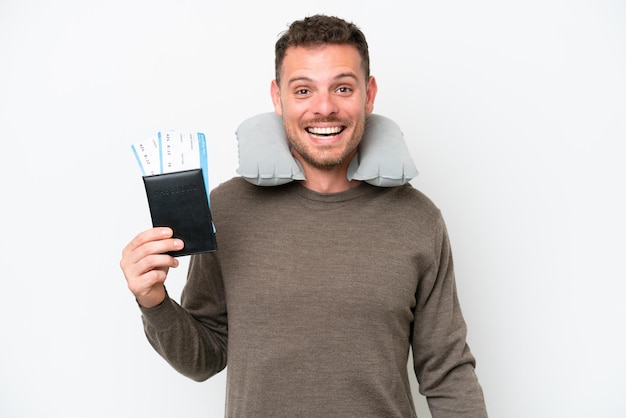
x=172, y=151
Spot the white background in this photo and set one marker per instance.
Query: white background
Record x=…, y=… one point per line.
x=514, y=112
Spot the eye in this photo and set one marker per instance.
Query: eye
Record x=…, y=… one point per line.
x=344, y=90
x=302, y=92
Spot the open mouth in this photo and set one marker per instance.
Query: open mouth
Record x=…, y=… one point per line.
x=325, y=132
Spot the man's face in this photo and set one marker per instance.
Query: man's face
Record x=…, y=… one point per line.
x=323, y=98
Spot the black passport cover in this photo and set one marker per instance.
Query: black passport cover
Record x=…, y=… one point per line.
x=179, y=200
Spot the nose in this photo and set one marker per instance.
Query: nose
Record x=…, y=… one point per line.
x=325, y=104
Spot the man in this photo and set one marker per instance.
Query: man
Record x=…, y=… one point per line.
x=319, y=287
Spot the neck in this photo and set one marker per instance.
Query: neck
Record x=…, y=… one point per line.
x=328, y=183
x=320, y=180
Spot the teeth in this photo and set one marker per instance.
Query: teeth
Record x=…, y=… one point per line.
x=325, y=131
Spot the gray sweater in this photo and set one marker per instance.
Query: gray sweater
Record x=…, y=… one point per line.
x=313, y=301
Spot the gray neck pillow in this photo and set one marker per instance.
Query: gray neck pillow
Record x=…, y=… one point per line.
x=265, y=158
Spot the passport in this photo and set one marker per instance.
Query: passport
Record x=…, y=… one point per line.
x=174, y=168
x=178, y=200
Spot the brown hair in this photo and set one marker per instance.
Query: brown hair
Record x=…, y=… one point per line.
x=319, y=30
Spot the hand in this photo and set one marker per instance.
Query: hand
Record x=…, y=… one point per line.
x=145, y=265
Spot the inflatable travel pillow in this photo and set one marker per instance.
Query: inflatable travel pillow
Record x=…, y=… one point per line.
x=265, y=158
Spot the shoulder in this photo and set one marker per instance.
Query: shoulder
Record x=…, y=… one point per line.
x=234, y=186
x=237, y=194
x=413, y=200
x=239, y=187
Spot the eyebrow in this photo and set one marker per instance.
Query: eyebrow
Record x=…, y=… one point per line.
x=337, y=77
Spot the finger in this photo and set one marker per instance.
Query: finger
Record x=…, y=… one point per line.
x=142, y=284
x=155, y=262
x=153, y=234
x=157, y=247
x=149, y=289
x=133, y=254
x=150, y=256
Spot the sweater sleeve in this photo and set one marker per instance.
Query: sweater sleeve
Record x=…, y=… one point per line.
x=444, y=365
x=192, y=337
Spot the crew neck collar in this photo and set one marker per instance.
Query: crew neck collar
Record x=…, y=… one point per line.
x=346, y=195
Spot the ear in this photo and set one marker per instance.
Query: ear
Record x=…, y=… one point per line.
x=275, y=93
x=372, y=89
